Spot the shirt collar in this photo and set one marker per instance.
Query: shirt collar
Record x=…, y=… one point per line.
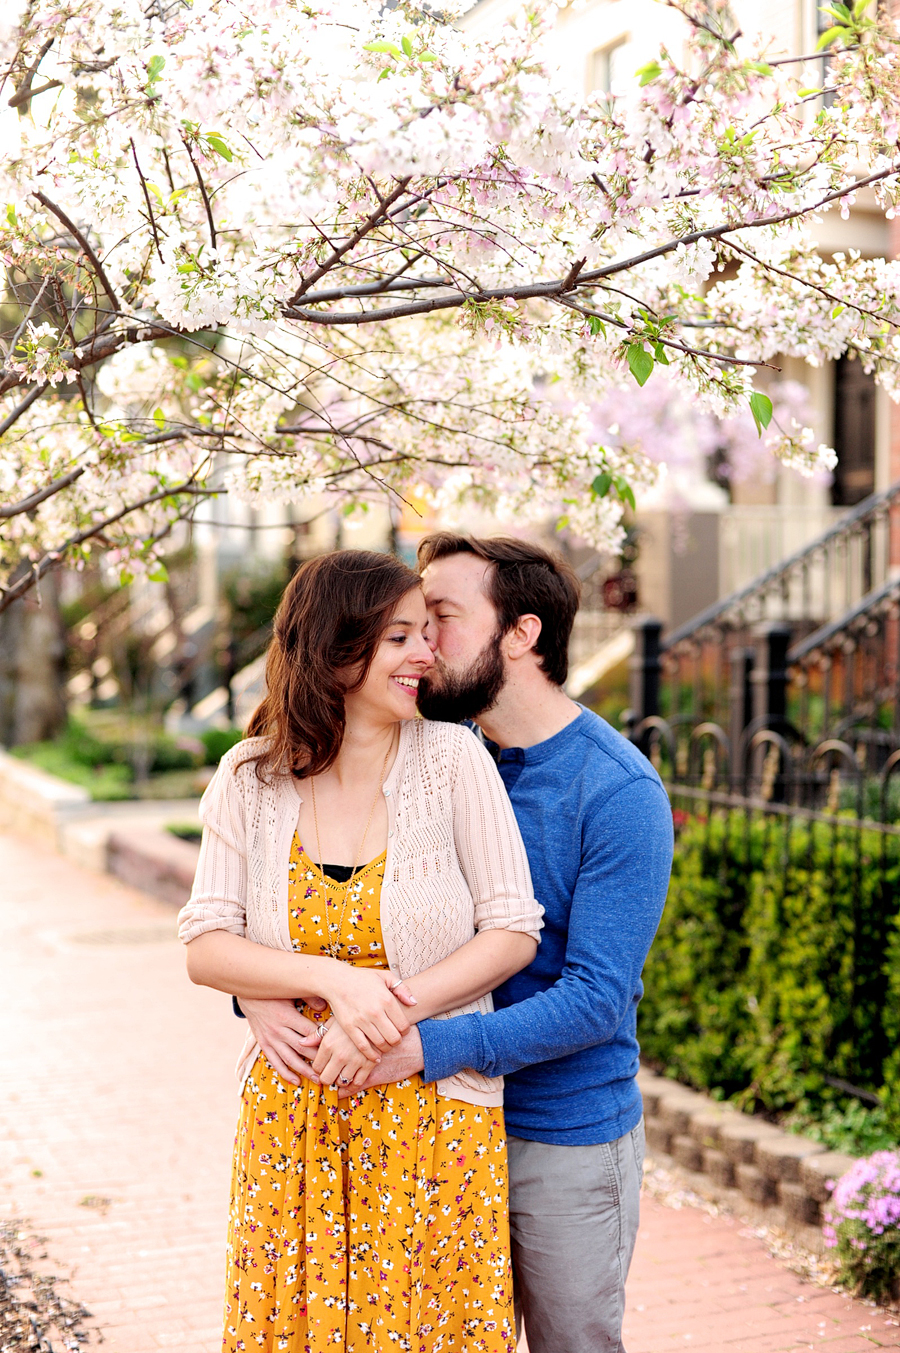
x=543, y=751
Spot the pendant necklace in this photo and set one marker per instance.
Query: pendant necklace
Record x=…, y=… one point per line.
x=329, y=885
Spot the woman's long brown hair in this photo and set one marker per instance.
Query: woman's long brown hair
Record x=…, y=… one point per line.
x=328, y=626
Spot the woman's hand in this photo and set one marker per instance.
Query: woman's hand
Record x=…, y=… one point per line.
x=367, y=1009
x=338, y=1061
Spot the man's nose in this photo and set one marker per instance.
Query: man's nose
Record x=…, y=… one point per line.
x=429, y=635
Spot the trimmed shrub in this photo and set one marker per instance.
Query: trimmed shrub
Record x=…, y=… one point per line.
x=777, y=962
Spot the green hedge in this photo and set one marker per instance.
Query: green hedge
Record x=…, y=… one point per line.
x=777, y=962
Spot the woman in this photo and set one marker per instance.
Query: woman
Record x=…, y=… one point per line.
x=367, y=863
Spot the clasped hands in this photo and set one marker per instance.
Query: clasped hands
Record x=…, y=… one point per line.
x=367, y=1025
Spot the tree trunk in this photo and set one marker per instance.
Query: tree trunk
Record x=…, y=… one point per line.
x=32, y=667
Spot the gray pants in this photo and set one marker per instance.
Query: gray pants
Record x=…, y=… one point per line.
x=573, y=1216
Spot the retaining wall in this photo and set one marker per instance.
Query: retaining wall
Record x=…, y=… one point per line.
x=753, y=1166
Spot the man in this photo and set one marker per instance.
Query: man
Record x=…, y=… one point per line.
x=598, y=832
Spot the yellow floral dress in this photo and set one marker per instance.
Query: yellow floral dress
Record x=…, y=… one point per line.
x=377, y=1223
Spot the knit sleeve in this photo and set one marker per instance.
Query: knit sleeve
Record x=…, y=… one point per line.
x=219, y=895
x=489, y=844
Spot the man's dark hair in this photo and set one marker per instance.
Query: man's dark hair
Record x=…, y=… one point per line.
x=525, y=580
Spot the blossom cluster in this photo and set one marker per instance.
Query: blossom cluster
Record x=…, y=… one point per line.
x=341, y=248
x=863, y=1224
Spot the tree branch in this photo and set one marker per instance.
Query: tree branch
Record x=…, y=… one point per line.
x=360, y=233
x=53, y=558
x=15, y=414
x=555, y=287
x=35, y=499
x=93, y=350
x=86, y=247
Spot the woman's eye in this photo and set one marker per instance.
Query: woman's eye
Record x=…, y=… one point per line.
x=398, y=638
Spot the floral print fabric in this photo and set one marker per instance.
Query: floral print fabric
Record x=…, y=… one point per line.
x=379, y=1223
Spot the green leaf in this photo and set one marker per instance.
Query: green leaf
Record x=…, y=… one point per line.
x=596, y=325
x=407, y=46
x=159, y=418
x=647, y=74
x=602, y=484
x=126, y=578
x=837, y=11
x=802, y=93
x=215, y=142
x=761, y=408
x=384, y=74
x=860, y=7
x=154, y=190
x=562, y=523
x=427, y=56
x=625, y=492
x=387, y=47
x=838, y=310
x=761, y=67
x=11, y=215
x=154, y=69
x=829, y=36
x=640, y=363
x=659, y=353
x=160, y=574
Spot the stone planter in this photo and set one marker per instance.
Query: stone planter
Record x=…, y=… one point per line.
x=734, y=1158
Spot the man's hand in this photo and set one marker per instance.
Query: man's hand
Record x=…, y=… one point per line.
x=279, y=1029
x=397, y=1064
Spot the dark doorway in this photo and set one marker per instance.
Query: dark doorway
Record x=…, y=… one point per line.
x=854, y=433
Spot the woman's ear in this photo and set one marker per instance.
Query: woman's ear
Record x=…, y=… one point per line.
x=523, y=636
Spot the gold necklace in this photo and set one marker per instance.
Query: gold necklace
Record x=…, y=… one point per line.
x=334, y=945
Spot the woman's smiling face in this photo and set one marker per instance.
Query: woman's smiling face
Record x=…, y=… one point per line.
x=402, y=657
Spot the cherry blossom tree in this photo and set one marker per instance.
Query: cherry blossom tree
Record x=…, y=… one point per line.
x=287, y=249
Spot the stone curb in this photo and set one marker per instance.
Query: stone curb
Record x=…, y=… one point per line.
x=778, y=1177
x=154, y=861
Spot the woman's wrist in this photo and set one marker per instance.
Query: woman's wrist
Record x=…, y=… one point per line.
x=321, y=981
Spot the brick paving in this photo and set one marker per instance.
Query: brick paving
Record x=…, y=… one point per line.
x=116, y=1121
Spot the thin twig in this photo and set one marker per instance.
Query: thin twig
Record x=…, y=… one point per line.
x=661, y=339
x=813, y=286
x=203, y=193
x=85, y=245
x=137, y=166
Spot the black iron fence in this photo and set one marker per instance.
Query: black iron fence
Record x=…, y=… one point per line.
x=776, y=973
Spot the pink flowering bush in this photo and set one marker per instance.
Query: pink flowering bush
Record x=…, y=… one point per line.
x=863, y=1224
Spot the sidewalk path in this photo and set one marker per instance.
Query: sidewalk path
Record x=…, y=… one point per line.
x=116, y=1121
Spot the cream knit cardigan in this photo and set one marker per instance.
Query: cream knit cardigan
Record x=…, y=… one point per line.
x=455, y=863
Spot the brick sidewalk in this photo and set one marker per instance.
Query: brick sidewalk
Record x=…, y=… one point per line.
x=116, y=1123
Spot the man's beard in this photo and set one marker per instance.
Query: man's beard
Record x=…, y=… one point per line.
x=450, y=697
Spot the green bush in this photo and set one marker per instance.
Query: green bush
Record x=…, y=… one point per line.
x=218, y=741
x=777, y=963
x=105, y=764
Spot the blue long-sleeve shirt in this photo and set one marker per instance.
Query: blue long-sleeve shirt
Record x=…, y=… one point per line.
x=597, y=827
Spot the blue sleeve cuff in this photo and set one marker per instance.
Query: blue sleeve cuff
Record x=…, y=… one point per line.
x=450, y=1045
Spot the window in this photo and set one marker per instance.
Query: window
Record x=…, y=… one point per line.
x=854, y=433
x=607, y=69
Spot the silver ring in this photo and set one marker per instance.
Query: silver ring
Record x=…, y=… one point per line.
x=321, y=1031
x=344, y=1080
x=399, y=983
